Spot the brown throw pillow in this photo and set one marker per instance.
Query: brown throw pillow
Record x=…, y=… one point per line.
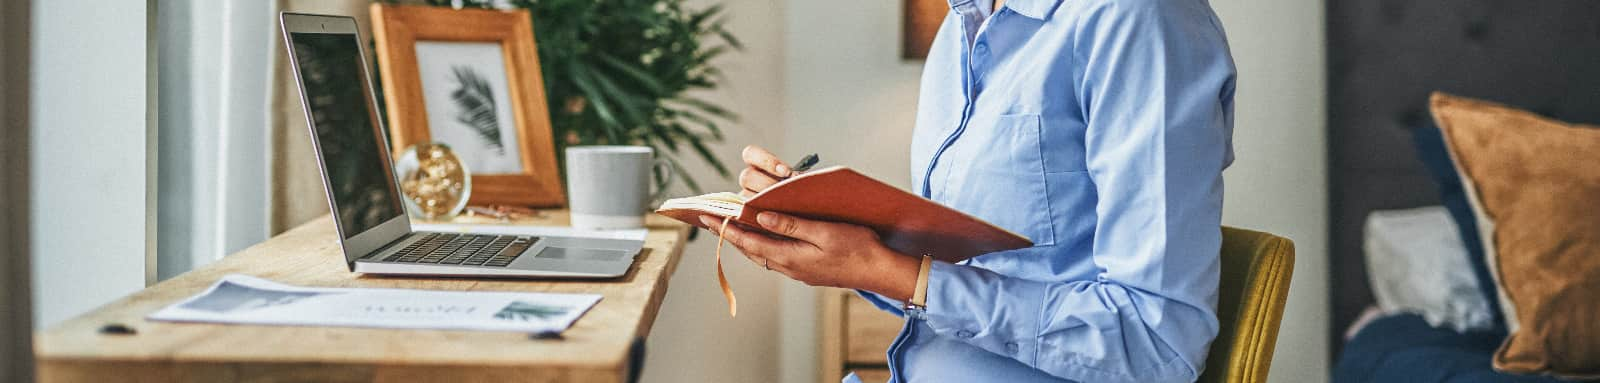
x=1534, y=184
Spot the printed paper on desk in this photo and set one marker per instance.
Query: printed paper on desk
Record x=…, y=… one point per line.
x=245, y=299
x=537, y=231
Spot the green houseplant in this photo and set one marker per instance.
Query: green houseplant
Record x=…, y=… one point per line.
x=622, y=72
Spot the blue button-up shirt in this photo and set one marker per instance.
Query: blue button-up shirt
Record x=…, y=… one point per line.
x=1099, y=129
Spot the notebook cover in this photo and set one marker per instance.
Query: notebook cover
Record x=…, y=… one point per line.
x=907, y=223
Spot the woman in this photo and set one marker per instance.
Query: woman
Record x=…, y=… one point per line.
x=1097, y=128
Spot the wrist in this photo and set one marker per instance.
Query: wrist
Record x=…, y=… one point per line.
x=894, y=275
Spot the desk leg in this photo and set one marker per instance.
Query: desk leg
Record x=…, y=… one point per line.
x=636, y=360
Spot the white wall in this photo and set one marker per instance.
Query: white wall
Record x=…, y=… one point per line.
x=851, y=99
x=92, y=162
x=1278, y=183
x=694, y=340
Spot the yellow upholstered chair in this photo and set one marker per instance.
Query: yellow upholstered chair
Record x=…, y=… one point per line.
x=1256, y=268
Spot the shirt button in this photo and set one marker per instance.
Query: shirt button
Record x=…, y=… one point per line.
x=963, y=334
x=1011, y=347
x=981, y=49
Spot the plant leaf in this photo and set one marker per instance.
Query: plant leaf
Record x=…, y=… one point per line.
x=475, y=106
x=594, y=98
x=633, y=64
x=710, y=125
x=626, y=102
x=707, y=107
x=634, y=72
x=687, y=181
x=705, y=154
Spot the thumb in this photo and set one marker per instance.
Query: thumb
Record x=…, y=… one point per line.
x=790, y=226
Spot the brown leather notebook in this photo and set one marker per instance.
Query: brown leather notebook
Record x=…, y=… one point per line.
x=907, y=223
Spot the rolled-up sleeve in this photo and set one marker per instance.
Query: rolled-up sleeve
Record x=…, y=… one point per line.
x=1155, y=90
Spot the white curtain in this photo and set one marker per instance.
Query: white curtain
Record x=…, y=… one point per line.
x=236, y=160
x=215, y=92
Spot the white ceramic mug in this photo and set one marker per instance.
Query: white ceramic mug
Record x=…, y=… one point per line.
x=608, y=187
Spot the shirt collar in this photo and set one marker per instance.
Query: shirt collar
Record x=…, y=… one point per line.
x=1037, y=9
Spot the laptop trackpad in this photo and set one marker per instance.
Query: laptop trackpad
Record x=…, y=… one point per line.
x=582, y=254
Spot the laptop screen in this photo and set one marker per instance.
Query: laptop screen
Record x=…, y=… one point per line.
x=347, y=130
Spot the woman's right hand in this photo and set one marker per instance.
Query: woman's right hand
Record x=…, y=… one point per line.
x=762, y=169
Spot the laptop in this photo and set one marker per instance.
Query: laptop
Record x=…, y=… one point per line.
x=330, y=68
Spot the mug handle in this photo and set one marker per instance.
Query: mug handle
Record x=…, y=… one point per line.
x=664, y=168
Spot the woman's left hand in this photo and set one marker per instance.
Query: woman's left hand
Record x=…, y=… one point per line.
x=821, y=253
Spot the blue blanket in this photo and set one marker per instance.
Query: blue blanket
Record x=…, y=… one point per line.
x=1403, y=348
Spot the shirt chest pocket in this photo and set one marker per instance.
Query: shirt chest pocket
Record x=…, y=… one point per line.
x=997, y=173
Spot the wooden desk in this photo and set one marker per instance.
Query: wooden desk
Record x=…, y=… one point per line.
x=596, y=349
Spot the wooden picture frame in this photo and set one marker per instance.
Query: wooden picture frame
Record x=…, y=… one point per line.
x=920, y=21
x=528, y=175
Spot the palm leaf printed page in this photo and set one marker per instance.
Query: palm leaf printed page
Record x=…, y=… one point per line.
x=475, y=106
x=467, y=96
x=243, y=299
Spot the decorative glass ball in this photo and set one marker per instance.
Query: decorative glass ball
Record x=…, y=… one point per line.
x=435, y=182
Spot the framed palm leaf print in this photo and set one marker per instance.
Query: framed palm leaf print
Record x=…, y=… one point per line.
x=470, y=79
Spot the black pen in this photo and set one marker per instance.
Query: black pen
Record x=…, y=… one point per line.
x=804, y=164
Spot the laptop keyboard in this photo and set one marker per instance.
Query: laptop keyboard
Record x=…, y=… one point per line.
x=464, y=249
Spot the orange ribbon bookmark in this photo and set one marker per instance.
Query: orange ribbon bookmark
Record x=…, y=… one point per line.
x=733, y=302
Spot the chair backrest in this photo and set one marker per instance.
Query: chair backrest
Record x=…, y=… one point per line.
x=1256, y=268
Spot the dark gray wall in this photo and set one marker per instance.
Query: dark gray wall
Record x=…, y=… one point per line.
x=1385, y=56
x=16, y=328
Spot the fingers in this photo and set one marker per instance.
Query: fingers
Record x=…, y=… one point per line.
x=754, y=245
x=754, y=181
x=711, y=223
x=770, y=263
x=795, y=258
x=794, y=227
x=765, y=161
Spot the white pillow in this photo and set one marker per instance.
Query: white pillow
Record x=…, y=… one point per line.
x=1416, y=263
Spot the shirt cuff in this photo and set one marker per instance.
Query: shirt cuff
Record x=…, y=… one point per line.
x=985, y=309
x=883, y=303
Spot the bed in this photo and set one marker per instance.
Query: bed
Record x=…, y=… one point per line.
x=1384, y=58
